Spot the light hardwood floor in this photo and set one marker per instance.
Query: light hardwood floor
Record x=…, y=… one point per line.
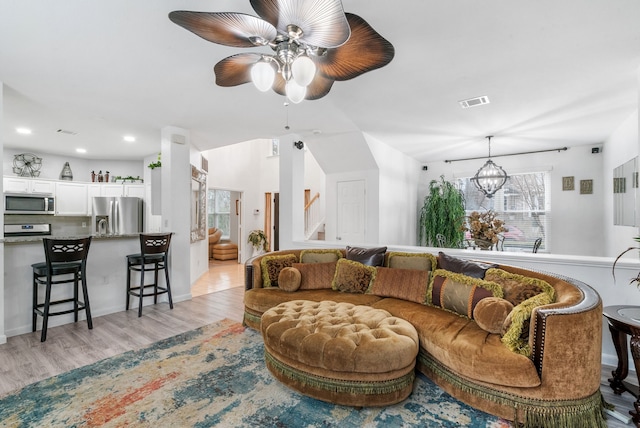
x=24, y=359
x=217, y=294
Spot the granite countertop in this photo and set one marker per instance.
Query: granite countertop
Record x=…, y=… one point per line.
x=38, y=238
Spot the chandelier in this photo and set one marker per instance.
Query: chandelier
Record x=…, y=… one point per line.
x=313, y=42
x=491, y=177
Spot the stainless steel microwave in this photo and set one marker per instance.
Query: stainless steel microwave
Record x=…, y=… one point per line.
x=28, y=204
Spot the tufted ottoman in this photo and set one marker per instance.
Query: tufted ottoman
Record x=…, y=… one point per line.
x=340, y=353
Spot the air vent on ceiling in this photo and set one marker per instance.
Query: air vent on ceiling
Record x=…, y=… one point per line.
x=474, y=102
x=66, y=131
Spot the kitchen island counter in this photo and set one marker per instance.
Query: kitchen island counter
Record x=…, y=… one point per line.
x=106, y=279
x=38, y=238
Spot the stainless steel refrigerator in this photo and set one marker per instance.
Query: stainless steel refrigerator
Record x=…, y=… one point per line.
x=117, y=215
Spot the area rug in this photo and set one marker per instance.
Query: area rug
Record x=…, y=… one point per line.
x=212, y=376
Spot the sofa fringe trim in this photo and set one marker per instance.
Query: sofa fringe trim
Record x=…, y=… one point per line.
x=534, y=413
x=251, y=318
x=340, y=386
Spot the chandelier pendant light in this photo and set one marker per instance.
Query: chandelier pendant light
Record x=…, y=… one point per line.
x=313, y=43
x=491, y=177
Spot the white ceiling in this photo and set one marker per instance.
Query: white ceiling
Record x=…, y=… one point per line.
x=558, y=73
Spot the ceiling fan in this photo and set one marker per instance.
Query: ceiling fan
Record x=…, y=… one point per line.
x=314, y=43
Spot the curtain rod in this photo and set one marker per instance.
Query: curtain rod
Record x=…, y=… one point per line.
x=561, y=149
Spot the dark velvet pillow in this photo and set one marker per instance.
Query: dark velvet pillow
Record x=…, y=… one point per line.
x=454, y=264
x=367, y=256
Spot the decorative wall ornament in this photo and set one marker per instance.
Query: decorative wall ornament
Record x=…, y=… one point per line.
x=27, y=165
x=568, y=183
x=586, y=187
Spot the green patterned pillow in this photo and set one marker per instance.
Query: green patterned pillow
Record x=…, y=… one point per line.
x=515, y=330
x=352, y=277
x=418, y=261
x=271, y=266
x=518, y=288
x=459, y=293
x=320, y=256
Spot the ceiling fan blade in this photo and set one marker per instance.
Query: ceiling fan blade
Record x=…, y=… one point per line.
x=236, y=69
x=318, y=88
x=323, y=22
x=226, y=28
x=365, y=50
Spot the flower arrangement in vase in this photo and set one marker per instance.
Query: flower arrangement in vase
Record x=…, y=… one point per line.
x=484, y=228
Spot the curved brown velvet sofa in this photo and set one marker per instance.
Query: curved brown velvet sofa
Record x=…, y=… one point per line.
x=558, y=386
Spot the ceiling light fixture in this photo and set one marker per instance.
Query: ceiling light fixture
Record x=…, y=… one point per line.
x=23, y=131
x=314, y=43
x=81, y=150
x=490, y=177
x=129, y=139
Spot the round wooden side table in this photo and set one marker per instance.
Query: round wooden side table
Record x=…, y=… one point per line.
x=625, y=320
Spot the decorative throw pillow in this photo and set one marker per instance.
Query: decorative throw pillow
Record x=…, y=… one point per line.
x=419, y=261
x=459, y=293
x=515, y=330
x=405, y=284
x=518, y=288
x=491, y=312
x=289, y=279
x=454, y=264
x=352, y=277
x=320, y=256
x=271, y=266
x=367, y=256
x=315, y=276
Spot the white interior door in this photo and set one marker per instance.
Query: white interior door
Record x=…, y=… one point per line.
x=351, y=212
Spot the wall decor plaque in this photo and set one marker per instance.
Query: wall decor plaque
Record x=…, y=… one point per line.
x=567, y=183
x=586, y=187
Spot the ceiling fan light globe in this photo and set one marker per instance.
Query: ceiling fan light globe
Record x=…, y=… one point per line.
x=262, y=76
x=304, y=70
x=295, y=92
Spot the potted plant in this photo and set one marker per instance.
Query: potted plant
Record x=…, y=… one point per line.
x=484, y=228
x=442, y=213
x=258, y=241
x=635, y=280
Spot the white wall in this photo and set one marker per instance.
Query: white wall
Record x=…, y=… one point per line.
x=398, y=177
x=577, y=216
x=81, y=167
x=620, y=147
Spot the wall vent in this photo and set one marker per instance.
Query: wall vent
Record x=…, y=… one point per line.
x=66, y=131
x=474, y=102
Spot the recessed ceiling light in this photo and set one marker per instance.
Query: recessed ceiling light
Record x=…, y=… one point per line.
x=80, y=150
x=129, y=138
x=24, y=131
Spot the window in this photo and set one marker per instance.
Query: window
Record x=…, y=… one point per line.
x=219, y=210
x=522, y=203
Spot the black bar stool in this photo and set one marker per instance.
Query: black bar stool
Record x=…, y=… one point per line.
x=153, y=256
x=63, y=257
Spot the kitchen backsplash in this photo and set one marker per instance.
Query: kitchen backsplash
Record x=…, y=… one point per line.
x=60, y=225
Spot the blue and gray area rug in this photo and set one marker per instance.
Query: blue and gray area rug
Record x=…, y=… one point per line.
x=211, y=376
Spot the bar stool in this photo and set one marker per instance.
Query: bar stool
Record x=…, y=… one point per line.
x=153, y=256
x=63, y=257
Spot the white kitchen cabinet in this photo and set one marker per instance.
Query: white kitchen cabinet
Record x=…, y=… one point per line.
x=28, y=185
x=71, y=199
x=136, y=190
x=112, y=190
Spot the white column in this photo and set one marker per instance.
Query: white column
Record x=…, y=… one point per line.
x=291, y=192
x=176, y=200
x=3, y=337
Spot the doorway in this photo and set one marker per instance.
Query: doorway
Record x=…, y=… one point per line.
x=351, y=211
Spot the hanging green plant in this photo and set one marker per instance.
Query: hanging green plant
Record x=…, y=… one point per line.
x=156, y=164
x=442, y=213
